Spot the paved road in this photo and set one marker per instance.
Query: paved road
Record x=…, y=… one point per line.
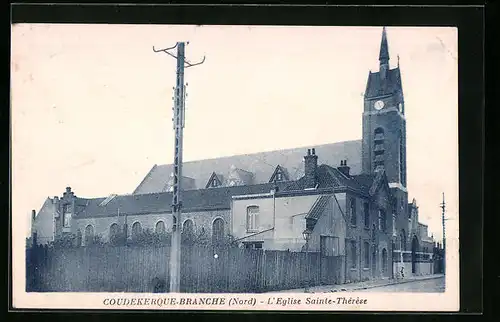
x=429, y=286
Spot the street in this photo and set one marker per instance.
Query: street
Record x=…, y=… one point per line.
x=429, y=286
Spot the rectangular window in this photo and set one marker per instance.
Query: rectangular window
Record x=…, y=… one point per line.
x=366, y=209
x=252, y=219
x=353, y=212
x=328, y=246
x=66, y=217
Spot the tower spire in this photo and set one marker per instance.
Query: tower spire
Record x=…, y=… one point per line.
x=384, y=55
x=384, y=49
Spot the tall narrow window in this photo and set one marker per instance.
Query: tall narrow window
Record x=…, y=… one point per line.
x=354, y=255
x=136, y=229
x=382, y=220
x=113, y=232
x=252, y=219
x=188, y=229
x=218, y=231
x=353, y=211
x=89, y=234
x=160, y=227
x=366, y=210
x=66, y=216
x=367, y=254
x=378, y=148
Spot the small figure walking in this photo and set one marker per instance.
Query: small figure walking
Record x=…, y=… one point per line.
x=402, y=272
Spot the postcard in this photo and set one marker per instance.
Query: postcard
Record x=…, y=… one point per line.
x=182, y=167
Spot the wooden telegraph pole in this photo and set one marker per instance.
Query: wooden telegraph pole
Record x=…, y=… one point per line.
x=178, y=124
x=443, y=206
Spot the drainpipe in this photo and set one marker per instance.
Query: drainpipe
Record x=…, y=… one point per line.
x=274, y=214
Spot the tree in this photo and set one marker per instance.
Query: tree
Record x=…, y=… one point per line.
x=149, y=238
x=96, y=240
x=65, y=241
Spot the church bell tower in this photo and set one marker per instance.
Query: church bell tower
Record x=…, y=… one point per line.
x=384, y=122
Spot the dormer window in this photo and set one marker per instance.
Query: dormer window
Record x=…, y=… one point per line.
x=279, y=174
x=214, y=181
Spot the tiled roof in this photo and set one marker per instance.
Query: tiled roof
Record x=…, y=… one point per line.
x=376, y=86
x=318, y=207
x=193, y=200
x=329, y=177
x=261, y=165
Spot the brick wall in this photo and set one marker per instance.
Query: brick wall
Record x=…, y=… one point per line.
x=202, y=219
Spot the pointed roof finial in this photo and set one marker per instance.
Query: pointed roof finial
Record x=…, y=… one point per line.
x=384, y=49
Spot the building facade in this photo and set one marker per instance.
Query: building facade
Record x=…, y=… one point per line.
x=351, y=196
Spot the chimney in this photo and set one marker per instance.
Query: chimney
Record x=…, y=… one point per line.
x=311, y=165
x=68, y=192
x=33, y=215
x=344, y=168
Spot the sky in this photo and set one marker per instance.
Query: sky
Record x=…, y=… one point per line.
x=91, y=104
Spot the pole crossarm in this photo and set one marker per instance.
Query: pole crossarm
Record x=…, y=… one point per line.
x=186, y=62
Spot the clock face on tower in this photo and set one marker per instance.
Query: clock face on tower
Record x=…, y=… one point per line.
x=379, y=105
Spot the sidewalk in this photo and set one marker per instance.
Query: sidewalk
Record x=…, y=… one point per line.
x=361, y=285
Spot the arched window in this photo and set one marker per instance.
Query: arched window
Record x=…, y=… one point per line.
x=89, y=234
x=114, y=231
x=188, y=232
x=218, y=231
x=160, y=227
x=353, y=212
x=252, y=218
x=188, y=227
x=378, y=148
x=136, y=229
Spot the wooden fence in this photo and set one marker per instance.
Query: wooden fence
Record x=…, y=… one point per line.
x=146, y=269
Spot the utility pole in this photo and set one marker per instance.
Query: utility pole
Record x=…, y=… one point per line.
x=443, y=206
x=178, y=125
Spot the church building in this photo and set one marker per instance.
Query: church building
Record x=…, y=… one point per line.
x=350, y=197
